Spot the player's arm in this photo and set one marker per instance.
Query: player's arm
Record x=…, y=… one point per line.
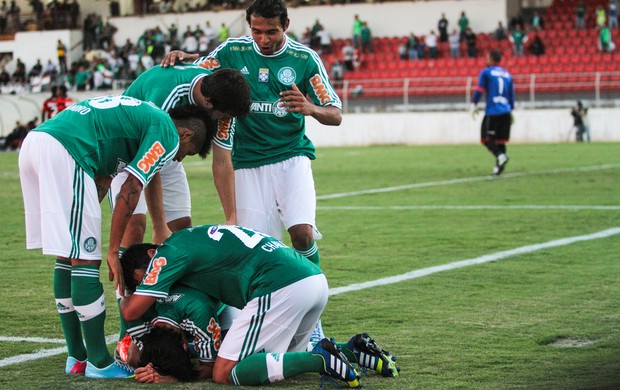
x=103, y=185
x=134, y=306
x=295, y=101
x=155, y=203
x=126, y=202
x=224, y=180
x=205, y=370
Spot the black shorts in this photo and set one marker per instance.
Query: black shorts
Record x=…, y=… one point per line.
x=496, y=128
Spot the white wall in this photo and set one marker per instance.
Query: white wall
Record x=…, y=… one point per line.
x=531, y=126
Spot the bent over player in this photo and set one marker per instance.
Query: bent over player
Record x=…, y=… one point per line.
x=65, y=168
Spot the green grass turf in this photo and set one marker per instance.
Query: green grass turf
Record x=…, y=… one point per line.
x=547, y=319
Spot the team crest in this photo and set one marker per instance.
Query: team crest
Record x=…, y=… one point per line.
x=278, y=110
x=263, y=75
x=287, y=75
x=90, y=244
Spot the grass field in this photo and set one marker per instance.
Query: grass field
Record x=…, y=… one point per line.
x=536, y=307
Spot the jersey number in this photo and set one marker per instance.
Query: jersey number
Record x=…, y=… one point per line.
x=250, y=239
x=112, y=101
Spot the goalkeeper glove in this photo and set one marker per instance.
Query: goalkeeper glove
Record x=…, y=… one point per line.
x=474, y=111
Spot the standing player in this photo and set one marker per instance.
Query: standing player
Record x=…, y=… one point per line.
x=280, y=294
x=64, y=175
x=497, y=83
x=271, y=152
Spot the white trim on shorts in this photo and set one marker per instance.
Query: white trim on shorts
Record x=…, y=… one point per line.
x=282, y=321
x=61, y=204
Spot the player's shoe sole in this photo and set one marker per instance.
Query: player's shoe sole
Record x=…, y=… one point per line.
x=335, y=363
x=116, y=370
x=74, y=366
x=370, y=355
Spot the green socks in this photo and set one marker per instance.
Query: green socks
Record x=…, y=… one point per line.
x=68, y=317
x=264, y=368
x=89, y=303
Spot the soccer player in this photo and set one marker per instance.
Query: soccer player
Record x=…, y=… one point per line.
x=64, y=175
x=280, y=294
x=272, y=155
x=496, y=82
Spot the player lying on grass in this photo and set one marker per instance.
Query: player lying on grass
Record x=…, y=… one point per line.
x=280, y=295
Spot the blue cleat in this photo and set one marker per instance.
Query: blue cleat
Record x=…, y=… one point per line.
x=74, y=366
x=335, y=363
x=372, y=356
x=116, y=370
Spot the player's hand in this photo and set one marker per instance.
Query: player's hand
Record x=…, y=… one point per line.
x=145, y=374
x=512, y=118
x=295, y=101
x=474, y=111
x=116, y=271
x=177, y=56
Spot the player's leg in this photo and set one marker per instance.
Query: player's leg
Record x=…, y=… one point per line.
x=45, y=175
x=501, y=124
x=176, y=196
x=256, y=201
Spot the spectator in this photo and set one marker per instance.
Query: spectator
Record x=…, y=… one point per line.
x=537, y=22
x=348, y=54
x=580, y=15
x=442, y=27
x=325, y=41
x=20, y=72
x=212, y=35
x=5, y=77
x=431, y=43
x=463, y=25
x=61, y=52
x=518, y=38
x=173, y=33
x=613, y=15
x=74, y=13
x=190, y=43
x=537, y=46
x=470, y=40
x=357, y=31
x=337, y=71
x=500, y=32
x=366, y=38
x=14, y=12
x=14, y=140
x=455, y=44
x=315, y=40
x=605, y=43
x=306, y=37
x=403, y=52
x=601, y=17
x=37, y=69
x=224, y=33
x=412, y=47
x=203, y=44
x=4, y=17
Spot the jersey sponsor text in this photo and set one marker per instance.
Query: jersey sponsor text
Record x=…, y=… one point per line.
x=319, y=89
x=151, y=157
x=151, y=278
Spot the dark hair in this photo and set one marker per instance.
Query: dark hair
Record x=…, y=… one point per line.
x=133, y=258
x=228, y=91
x=200, y=121
x=164, y=348
x=496, y=56
x=267, y=9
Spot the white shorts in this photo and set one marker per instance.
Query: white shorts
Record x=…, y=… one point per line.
x=282, y=321
x=175, y=190
x=276, y=195
x=63, y=215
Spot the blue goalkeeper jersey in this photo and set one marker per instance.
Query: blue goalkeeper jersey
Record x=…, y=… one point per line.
x=497, y=84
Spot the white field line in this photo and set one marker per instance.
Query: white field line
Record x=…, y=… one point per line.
x=465, y=180
x=478, y=260
x=356, y=287
x=473, y=207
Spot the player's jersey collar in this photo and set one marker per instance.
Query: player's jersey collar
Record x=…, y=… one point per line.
x=275, y=54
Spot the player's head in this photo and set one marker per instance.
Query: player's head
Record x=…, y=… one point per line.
x=54, y=90
x=62, y=90
x=196, y=129
x=135, y=260
x=495, y=57
x=167, y=351
x=227, y=93
x=268, y=20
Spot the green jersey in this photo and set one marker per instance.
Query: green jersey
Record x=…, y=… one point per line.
x=269, y=134
x=167, y=87
x=229, y=263
x=110, y=133
x=189, y=310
